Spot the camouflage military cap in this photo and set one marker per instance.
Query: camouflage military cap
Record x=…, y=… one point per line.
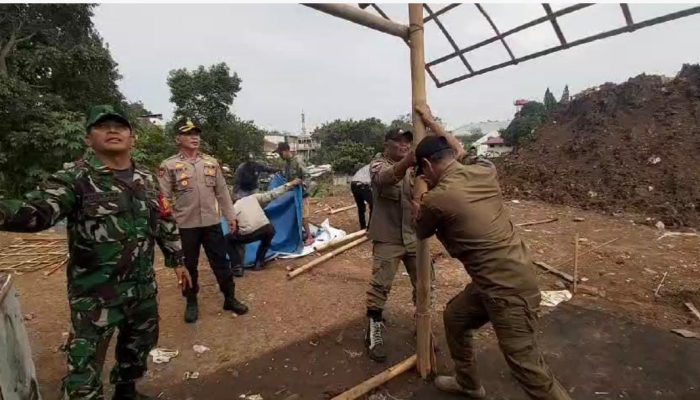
x=103, y=112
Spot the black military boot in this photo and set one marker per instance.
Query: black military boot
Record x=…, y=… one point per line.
x=127, y=391
x=232, y=304
x=374, y=340
x=191, y=309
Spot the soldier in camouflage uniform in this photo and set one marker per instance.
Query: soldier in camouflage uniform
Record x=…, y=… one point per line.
x=114, y=218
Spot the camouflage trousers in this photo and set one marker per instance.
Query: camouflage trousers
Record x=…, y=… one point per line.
x=384, y=267
x=93, y=327
x=514, y=319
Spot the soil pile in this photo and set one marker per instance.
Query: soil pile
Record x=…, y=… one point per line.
x=633, y=146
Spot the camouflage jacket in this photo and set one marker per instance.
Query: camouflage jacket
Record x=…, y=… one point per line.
x=112, y=228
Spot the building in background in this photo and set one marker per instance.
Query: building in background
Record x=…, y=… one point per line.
x=303, y=145
x=491, y=145
x=155, y=119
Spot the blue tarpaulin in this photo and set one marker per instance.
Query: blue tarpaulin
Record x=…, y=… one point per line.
x=285, y=213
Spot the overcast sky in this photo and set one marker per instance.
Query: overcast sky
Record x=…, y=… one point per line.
x=291, y=57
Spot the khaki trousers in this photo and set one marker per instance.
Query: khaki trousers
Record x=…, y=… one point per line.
x=514, y=319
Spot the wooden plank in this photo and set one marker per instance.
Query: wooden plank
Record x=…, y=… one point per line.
x=379, y=379
x=555, y=271
x=324, y=258
x=544, y=221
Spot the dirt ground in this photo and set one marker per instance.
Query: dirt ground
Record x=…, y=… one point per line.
x=326, y=307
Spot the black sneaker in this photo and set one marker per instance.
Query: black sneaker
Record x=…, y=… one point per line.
x=374, y=341
x=232, y=304
x=191, y=310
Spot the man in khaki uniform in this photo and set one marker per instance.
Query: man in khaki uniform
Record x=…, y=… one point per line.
x=294, y=168
x=194, y=184
x=465, y=208
x=390, y=229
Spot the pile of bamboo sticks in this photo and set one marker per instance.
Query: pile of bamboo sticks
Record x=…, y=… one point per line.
x=34, y=254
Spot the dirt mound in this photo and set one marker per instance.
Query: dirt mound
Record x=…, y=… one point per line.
x=633, y=146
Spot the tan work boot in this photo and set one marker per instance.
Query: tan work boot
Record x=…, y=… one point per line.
x=449, y=384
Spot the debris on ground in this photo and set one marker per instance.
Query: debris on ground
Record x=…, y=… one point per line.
x=686, y=333
x=552, y=298
x=352, y=354
x=251, y=397
x=608, y=146
x=161, y=355
x=199, y=349
x=191, y=375
x=672, y=234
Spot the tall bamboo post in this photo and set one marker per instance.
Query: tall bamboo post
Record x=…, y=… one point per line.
x=424, y=339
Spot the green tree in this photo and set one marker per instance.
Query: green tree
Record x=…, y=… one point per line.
x=53, y=67
x=205, y=94
x=565, y=95
x=56, y=49
x=550, y=102
x=349, y=155
x=348, y=143
x=523, y=127
x=38, y=136
x=403, y=122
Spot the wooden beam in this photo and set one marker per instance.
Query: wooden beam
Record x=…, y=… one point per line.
x=555, y=24
x=555, y=271
x=544, y=221
x=324, y=258
x=346, y=238
x=341, y=209
x=377, y=380
x=364, y=18
x=424, y=338
x=627, y=13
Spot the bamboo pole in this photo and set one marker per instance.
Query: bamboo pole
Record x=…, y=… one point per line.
x=544, y=221
x=575, y=263
x=364, y=18
x=561, y=264
x=378, y=380
x=325, y=257
x=424, y=337
x=344, y=239
x=341, y=209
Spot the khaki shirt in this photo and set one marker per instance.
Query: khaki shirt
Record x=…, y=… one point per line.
x=249, y=210
x=466, y=209
x=194, y=188
x=391, y=215
x=295, y=168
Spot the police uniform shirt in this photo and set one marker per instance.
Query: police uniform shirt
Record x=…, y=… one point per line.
x=193, y=188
